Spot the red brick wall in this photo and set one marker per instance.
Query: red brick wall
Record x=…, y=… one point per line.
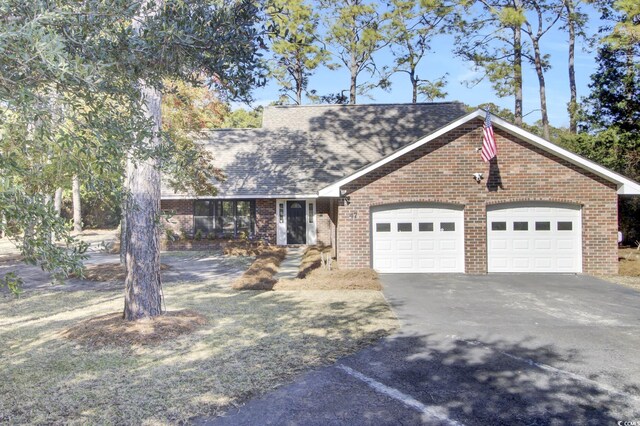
x=324, y=224
x=442, y=171
x=266, y=219
x=182, y=211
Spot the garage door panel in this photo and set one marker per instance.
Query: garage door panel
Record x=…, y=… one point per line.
x=550, y=243
x=426, y=245
x=542, y=244
x=384, y=246
x=499, y=244
x=520, y=244
x=426, y=264
x=448, y=245
x=405, y=245
x=405, y=264
x=566, y=245
x=543, y=263
x=423, y=247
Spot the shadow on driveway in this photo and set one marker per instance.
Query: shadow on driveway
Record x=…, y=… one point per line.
x=493, y=350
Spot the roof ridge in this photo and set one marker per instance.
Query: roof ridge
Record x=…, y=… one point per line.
x=364, y=105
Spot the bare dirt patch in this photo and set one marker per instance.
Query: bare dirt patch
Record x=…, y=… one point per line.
x=312, y=276
x=113, y=271
x=336, y=279
x=629, y=262
x=260, y=275
x=113, y=330
x=629, y=269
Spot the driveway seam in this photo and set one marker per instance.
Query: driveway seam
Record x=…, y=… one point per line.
x=396, y=394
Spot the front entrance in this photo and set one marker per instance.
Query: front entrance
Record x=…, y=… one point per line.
x=296, y=222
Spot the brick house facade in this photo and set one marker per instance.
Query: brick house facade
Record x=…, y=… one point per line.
x=441, y=172
x=360, y=168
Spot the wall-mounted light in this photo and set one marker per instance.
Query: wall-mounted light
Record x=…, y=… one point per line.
x=346, y=200
x=478, y=176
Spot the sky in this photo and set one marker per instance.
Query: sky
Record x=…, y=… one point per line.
x=441, y=60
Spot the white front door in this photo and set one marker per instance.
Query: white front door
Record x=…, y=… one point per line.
x=534, y=237
x=417, y=238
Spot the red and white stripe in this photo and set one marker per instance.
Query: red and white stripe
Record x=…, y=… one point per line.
x=489, y=147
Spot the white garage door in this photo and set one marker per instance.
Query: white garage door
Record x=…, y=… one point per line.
x=534, y=237
x=418, y=238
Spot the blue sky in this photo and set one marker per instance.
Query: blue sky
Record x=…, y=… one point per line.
x=441, y=60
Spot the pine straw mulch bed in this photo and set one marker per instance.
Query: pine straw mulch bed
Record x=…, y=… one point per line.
x=112, y=271
x=113, y=330
x=251, y=343
x=313, y=277
x=245, y=248
x=260, y=275
x=629, y=272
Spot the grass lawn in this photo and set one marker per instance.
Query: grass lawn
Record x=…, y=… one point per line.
x=251, y=342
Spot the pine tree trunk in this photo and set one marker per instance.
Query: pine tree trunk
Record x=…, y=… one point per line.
x=299, y=85
x=517, y=74
x=353, y=68
x=143, y=287
x=573, y=102
x=543, y=90
x=414, y=86
x=123, y=232
x=57, y=201
x=77, y=207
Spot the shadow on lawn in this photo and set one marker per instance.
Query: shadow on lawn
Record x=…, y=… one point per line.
x=256, y=341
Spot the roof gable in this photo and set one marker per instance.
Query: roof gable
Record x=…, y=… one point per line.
x=625, y=186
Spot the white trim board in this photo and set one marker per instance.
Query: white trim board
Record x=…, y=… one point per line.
x=625, y=186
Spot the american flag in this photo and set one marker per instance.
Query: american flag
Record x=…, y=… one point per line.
x=489, y=148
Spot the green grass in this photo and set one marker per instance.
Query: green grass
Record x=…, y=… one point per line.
x=253, y=342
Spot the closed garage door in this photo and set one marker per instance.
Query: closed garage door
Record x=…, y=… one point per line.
x=534, y=237
x=418, y=238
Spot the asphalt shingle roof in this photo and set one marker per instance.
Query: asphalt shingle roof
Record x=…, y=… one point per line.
x=301, y=149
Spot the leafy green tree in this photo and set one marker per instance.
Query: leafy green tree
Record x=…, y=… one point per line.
x=615, y=91
x=189, y=108
x=610, y=124
x=186, y=110
x=295, y=45
x=489, y=34
x=625, y=16
x=357, y=30
x=412, y=27
x=97, y=52
x=243, y=119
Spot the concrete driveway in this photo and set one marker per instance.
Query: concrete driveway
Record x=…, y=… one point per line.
x=497, y=349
